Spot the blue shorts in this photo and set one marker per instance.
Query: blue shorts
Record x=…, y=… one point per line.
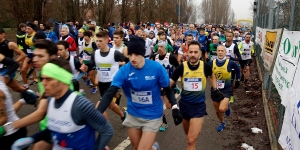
x=227, y=92
x=4, y=70
x=192, y=110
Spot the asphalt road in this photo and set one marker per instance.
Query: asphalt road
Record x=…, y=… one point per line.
x=173, y=138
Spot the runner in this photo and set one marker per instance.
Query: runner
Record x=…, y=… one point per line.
x=246, y=49
x=169, y=62
x=89, y=47
x=64, y=32
x=148, y=45
x=106, y=60
x=63, y=52
x=80, y=40
x=66, y=106
x=212, y=48
x=183, y=50
x=232, y=53
x=192, y=105
x=223, y=70
x=178, y=38
x=202, y=39
x=142, y=89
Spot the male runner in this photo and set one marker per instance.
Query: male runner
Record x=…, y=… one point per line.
x=142, y=89
x=223, y=70
x=72, y=119
x=106, y=60
x=246, y=49
x=192, y=105
x=169, y=62
x=232, y=53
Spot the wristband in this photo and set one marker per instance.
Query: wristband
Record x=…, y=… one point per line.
x=22, y=101
x=175, y=106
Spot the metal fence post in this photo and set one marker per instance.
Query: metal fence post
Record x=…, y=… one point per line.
x=277, y=15
x=271, y=13
x=270, y=88
x=291, y=24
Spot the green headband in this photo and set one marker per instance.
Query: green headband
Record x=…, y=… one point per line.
x=58, y=73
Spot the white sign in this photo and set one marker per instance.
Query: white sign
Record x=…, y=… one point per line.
x=260, y=36
x=286, y=64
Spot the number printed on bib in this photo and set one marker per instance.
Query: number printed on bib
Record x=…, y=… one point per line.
x=105, y=70
x=193, y=84
x=29, y=51
x=220, y=84
x=141, y=97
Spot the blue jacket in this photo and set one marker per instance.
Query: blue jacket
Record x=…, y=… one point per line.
x=111, y=32
x=51, y=36
x=203, y=41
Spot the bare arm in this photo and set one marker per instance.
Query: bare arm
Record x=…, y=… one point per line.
x=13, y=46
x=34, y=117
x=3, y=114
x=17, y=105
x=213, y=81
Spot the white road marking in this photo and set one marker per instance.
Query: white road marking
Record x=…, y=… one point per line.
x=127, y=142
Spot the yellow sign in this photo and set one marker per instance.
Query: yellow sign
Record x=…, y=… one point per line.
x=270, y=42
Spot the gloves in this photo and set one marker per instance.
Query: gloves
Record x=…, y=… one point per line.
x=219, y=93
x=176, y=115
x=22, y=143
x=236, y=84
x=29, y=96
x=2, y=131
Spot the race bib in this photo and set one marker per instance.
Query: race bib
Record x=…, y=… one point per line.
x=86, y=57
x=246, y=54
x=220, y=84
x=141, y=97
x=105, y=70
x=178, y=43
x=29, y=51
x=192, y=84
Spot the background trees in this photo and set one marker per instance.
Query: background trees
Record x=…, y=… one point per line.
x=14, y=12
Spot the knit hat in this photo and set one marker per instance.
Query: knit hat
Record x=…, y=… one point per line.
x=136, y=45
x=162, y=43
x=40, y=35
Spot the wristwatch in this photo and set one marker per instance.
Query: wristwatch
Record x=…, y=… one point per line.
x=8, y=127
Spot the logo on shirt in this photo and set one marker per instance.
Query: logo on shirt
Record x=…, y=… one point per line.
x=186, y=73
x=149, y=77
x=131, y=74
x=219, y=75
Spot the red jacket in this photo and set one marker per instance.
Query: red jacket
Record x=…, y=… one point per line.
x=72, y=43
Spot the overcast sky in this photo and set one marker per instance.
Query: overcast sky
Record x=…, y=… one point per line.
x=242, y=8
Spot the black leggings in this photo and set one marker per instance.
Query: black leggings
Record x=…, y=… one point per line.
x=7, y=141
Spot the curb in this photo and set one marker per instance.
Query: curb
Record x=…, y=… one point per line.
x=270, y=124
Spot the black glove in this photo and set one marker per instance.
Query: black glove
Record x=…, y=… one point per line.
x=176, y=116
x=236, y=84
x=29, y=96
x=219, y=93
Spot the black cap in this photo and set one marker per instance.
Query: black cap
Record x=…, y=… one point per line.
x=40, y=35
x=136, y=45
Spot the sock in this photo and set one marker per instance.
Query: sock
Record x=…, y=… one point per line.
x=164, y=119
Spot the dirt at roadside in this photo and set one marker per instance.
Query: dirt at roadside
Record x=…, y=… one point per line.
x=248, y=112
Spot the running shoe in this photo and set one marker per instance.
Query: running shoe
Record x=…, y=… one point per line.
x=94, y=90
x=227, y=112
x=163, y=127
x=221, y=126
x=231, y=100
x=33, y=83
x=155, y=146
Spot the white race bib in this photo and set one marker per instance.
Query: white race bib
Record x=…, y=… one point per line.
x=220, y=84
x=246, y=54
x=105, y=70
x=29, y=51
x=141, y=97
x=192, y=84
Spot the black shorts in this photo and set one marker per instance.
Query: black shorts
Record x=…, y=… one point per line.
x=244, y=63
x=227, y=92
x=7, y=141
x=103, y=87
x=192, y=110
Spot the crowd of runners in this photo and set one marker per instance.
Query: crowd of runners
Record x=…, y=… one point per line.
x=143, y=62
